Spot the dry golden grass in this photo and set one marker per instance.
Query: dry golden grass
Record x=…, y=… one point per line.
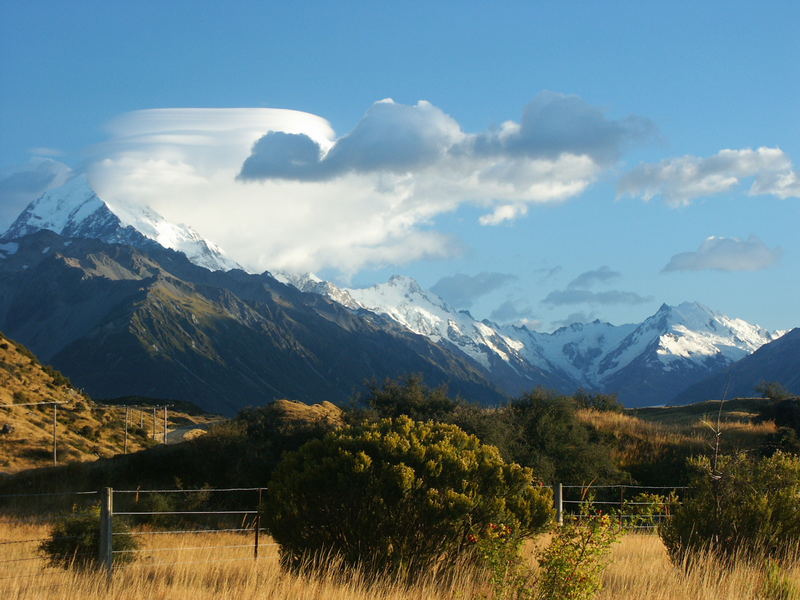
x=639, y=439
x=639, y=570
x=85, y=430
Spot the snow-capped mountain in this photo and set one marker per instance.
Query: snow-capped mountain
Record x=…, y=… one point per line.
x=424, y=313
x=75, y=210
x=310, y=283
x=645, y=363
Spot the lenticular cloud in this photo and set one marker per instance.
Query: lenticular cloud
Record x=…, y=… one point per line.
x=277, y=189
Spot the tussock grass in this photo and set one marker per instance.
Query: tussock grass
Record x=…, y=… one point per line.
x=641, y=437
x=639, y=570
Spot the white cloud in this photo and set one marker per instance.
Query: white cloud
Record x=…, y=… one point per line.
x=502, y=213
x=516, y=312
x=588, y=279
x=726, y=254
x=278, y=190
x=683, y=179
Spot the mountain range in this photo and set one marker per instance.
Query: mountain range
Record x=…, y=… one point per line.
x=126, y=303
x=645, y=363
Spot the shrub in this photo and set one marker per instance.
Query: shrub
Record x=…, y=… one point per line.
x=398, y=496
x=647, y=509
x=777, y=584
x=74, y=541
x=601, y=402
x=557, y=445
x=409, y=396
x=571, y=567
x=746, y=507
x=497, y=549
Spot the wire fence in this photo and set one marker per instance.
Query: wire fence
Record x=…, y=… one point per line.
x=636, y=507
x=160, y=528
x=170, y=527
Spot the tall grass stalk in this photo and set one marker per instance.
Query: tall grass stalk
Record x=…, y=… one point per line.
x=639, y=569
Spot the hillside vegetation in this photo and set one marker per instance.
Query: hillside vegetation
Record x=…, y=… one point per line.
x=85, y=430
x=652, y=444
x=577, y=439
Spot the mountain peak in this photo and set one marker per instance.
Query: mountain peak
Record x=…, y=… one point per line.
x=64, y=210
x=404, y=281
x=75, y=210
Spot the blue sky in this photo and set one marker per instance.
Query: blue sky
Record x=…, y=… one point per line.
x=658, y=81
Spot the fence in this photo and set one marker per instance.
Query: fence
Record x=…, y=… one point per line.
x=181, y=514
x=143, y=409
x=234, y=512
x=648, y=507
x=19, y=558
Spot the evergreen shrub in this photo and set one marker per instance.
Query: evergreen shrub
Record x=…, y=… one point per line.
x=397, y=496
x=746, y=507
x=74, y=541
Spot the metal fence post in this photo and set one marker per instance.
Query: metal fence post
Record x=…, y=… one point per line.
x=559, y=504
x=106, y=556
x=257, y=525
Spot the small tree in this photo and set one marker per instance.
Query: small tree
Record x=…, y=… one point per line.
x=397, y=495
x=74, y=541
x=571, y=567
x=409, y=396
x=746, y=507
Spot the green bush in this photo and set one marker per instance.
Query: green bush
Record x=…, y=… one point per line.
x=397, y=496
x=551, y=439
x=647, y=509
x=747, y=507
x=74, y=541
x=571, y=567
x=408, y=396
x=497, y=550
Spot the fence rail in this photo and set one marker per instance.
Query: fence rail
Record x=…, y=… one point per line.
x=237, y=511
x=232, y=513
x=627, y=511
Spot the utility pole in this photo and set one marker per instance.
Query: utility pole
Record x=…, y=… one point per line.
x=126, y=430
x=165, y=424
x=154, y=423
x=141, y=418
x=55, y=434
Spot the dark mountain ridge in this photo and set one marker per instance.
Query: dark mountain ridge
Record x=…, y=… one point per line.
x=777, y=361
x=121, y=320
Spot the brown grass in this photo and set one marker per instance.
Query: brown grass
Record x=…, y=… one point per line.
x=85, y=430
x=639, y=439
x=639, y=570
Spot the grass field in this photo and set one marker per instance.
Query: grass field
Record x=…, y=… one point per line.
x=644, y=435
x=639, y=570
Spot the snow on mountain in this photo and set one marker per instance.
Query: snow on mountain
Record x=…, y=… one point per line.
x=423, y=312
x=404, y=301
x=309, y=282
x=575, y=350
x=688, y=338
x=689, y=332
x=75, y=210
